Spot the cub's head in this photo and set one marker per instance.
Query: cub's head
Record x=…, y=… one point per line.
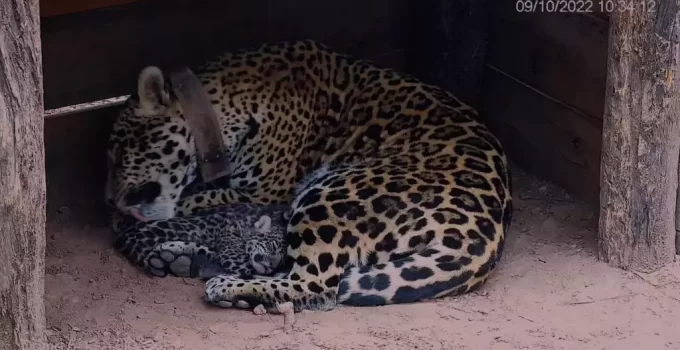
x=151, y=152
x=265, y=246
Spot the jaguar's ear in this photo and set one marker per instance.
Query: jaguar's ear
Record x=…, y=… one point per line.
x=154, y=97
x=263, y=224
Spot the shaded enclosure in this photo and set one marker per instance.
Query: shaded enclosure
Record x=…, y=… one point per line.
x=587, y=101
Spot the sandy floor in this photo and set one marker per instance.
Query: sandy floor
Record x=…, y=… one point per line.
x=549, y=293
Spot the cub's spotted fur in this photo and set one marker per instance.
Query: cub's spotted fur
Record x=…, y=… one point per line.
x=406, y=195
x=238, y=239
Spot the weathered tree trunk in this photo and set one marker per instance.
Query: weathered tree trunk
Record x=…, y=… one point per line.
x=449, y=44
x=677, y=218
x=22, y=178
x=641, y=139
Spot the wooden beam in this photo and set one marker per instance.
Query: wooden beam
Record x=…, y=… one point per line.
x=641, y=139
x=49, y=8
x=22, y=178
x=449, y=41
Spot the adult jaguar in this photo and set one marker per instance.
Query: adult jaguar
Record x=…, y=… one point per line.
x=405, y=195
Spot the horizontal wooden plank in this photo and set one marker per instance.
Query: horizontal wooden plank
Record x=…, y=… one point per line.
x=543, y=136
x=49, y=8
x=97, y=54
x=561, y=54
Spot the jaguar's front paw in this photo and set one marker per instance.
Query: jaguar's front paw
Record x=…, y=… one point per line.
x=219, y=291
x=232, y=292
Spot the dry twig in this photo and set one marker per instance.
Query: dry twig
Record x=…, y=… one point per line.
x=288, y=315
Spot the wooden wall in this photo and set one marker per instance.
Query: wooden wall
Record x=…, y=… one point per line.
x=98, y=53
x=544, y=85
x=75, y=164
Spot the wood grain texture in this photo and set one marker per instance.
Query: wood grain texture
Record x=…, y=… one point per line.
x=641, y=139
x=22, y=178
x=448, y=44
x=544, y=136
x=561, y=54
x=98, y=54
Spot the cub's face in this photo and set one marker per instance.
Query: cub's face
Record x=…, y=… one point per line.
x=264, y=246
x=265, y=257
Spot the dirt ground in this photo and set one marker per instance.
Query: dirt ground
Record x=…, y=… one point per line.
x=548, y=293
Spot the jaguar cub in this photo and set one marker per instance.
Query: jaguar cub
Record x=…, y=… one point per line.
x=239, y=239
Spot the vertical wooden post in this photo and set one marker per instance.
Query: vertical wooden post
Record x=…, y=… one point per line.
x=449, y=43
x=22, y=178
x=677, y=217
x=641, y=138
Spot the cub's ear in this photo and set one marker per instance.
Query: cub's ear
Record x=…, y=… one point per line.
x=264, y=224
x=152, y=92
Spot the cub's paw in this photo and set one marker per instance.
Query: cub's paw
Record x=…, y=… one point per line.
x=182, y=259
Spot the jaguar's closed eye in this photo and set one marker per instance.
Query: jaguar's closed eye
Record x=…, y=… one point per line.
x=145, y=193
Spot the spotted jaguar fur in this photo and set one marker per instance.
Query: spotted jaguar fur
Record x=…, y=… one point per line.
x=404, y=194
x=237, y=239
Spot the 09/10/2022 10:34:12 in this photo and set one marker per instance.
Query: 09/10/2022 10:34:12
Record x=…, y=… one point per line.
x=584, y=6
